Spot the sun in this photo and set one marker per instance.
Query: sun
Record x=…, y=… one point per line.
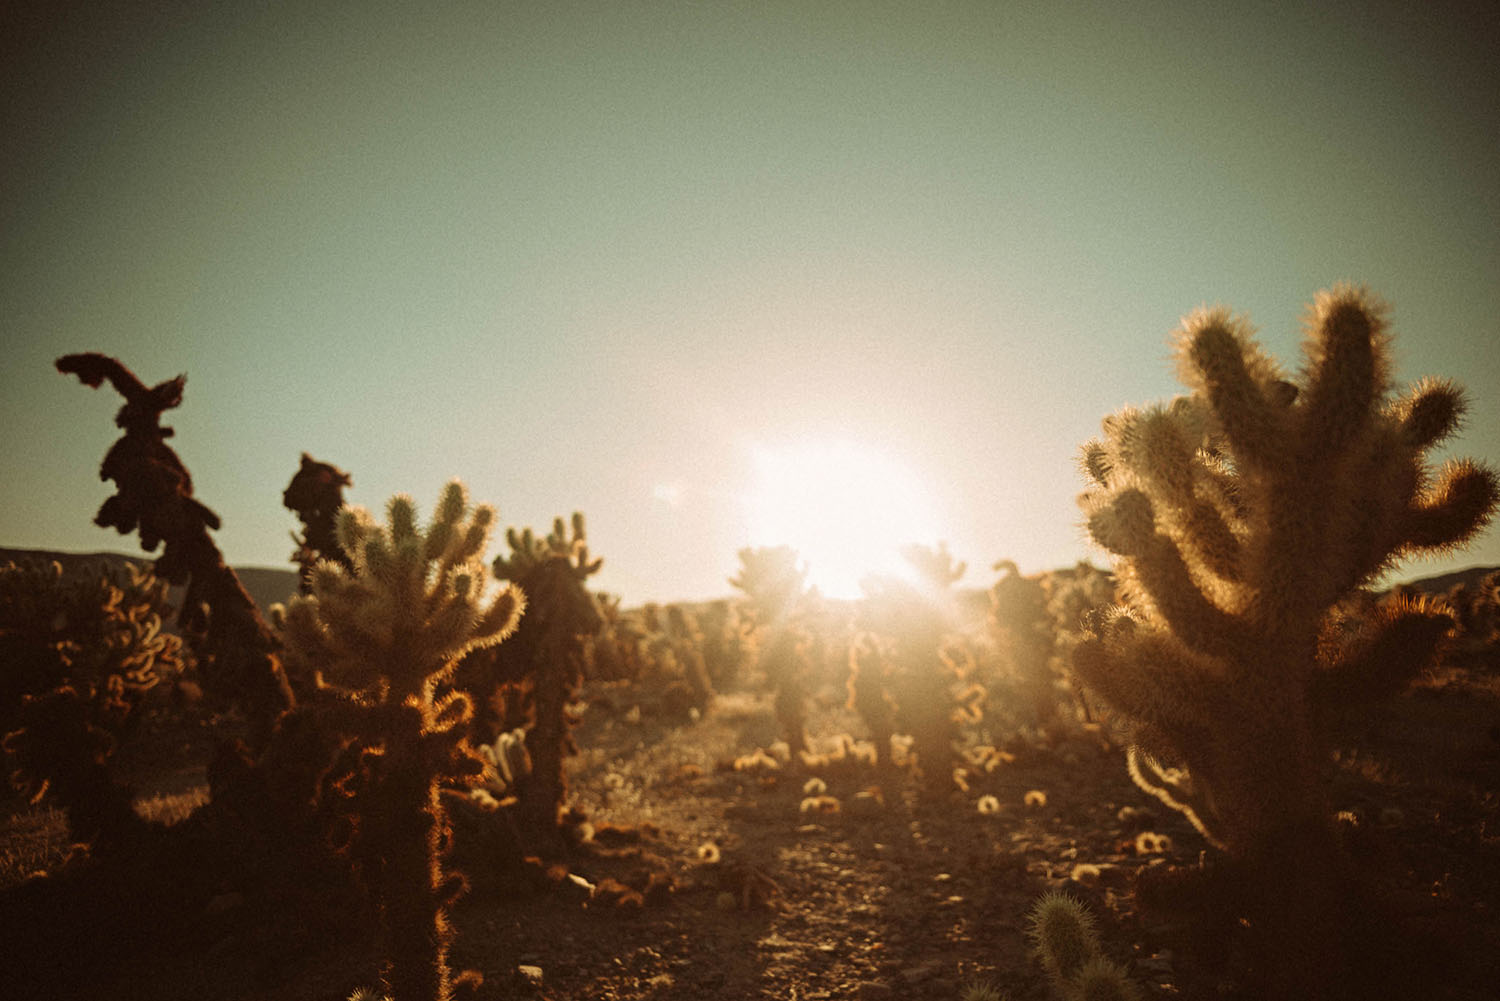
x=846, y=507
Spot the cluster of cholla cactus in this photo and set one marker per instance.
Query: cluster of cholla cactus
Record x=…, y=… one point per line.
x=382, y=638
x=315, y=496
x=905, y=675
x=542, y=666
x=1239, y=515
x=236, y=650
x=80, y=650
x=774, y=585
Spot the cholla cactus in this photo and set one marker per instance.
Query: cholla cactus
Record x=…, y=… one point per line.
x=910, y=660
x=1065, y=938
x=1239, y=516
x=383, y=636
x=1024, y=631
x=316, y=495
x=1062, y=934
x=775, y=589
x=79, y=652
x=414, y=603
x=545, y=660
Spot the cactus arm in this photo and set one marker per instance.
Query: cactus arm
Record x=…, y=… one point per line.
x=1220, y=359
x=1458, y=505
x=1346, y=372
x=1382, y=660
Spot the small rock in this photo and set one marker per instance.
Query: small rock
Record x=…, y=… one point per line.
x=530, y=975
x=873, y=990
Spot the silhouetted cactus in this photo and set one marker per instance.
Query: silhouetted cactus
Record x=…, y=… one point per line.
x=315, y=495
x=1239, y=515
x=78, y=652
x=237, y=653
x=545, y=659
x=727, y=645
x=774, y=589
x=1025, y=632
x=686, y=642
x=922, y=680
x=381, y=638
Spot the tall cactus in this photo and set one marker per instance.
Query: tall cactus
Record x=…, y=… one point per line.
x=383, y=636
x=237, y=654
x=547, y=658
x=1239, y=515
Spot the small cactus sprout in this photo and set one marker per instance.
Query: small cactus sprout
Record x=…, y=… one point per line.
x=1101, y=979
x=1062, y=932
x=981, y=990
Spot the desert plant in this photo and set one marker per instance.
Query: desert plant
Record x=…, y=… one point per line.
x=685, y=639
x=78, y=652
x=545, y=661
x=617, y=651
x=1062, y=935
x=1024, y=630
x=1065, y=937
x=727, y=647
x=381, y=638
x=315, y=496
x=1238, y=516
x=773, y=583
x=236, y=650
x=923, y=680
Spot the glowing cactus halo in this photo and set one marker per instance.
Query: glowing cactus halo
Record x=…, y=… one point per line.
x=414, y=603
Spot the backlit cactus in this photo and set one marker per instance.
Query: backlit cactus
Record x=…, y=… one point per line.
x=774, y=585
x=380, y=638
x=78, y=652
x=911, y=622
x=544, y=663
x=1239, y=515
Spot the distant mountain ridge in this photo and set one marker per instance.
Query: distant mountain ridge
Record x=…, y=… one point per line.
x=267, y=585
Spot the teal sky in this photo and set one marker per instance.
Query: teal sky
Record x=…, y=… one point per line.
x=600, y=256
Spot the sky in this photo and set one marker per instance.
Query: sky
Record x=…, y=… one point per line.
x=831, y=274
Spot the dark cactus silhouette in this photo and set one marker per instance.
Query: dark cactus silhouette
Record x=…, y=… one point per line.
x=237, y=652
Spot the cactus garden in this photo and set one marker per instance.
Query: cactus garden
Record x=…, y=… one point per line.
x=429, y=760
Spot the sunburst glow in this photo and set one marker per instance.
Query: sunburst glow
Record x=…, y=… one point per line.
x=845, y=507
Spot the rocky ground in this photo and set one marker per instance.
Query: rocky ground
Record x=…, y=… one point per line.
x=759, y=889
